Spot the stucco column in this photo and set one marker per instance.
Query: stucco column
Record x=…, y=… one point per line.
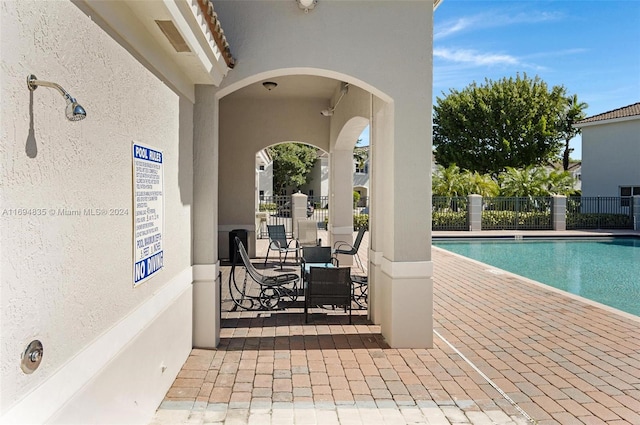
x=206, y=294
x=559, y=212
x=341, y=200
x=475, y=213
x=298, y=210
x=404, y=275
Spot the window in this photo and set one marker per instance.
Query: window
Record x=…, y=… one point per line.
x=626, y=192
x=310, y=192
x=261, y=168
x=364, y=169
x=262, y=195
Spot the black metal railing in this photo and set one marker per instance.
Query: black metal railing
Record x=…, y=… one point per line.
x=517, y=213
x=599, y=212
x=278, y=210
x=450, y=213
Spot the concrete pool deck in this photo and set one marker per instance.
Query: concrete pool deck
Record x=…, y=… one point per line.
x=506, y=350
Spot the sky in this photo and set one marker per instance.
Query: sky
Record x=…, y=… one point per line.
x=591, y=47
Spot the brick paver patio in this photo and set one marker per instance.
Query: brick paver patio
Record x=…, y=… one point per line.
x=506, y=351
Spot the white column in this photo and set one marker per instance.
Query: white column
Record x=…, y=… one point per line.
x=341, y=200
x=403, y=275
x=298, y=210
x=206, y=291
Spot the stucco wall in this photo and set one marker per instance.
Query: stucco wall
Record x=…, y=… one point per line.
x=610, y=157
x=67, y=280
x=388, y=53
x=246, y=126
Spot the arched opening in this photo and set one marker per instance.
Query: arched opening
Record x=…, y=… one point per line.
x=254, y=115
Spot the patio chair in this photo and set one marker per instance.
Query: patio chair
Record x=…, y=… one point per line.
x=318, y=256
x=308, y=233
x=360, y=291
x=258, y=291
x=346, y=248
x=328, y=286
x=278, y=242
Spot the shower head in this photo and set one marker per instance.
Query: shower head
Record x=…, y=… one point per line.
x=73, y=111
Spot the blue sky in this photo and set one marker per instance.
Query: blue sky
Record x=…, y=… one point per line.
x=590, y=47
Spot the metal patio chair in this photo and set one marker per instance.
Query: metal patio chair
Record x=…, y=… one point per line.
x=278, y=242
x=257, y=291
x=328, y=286
x=308, y=233
x=345, y=248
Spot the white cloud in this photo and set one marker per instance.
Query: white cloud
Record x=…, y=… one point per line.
x=492, y=19
x=475, y=58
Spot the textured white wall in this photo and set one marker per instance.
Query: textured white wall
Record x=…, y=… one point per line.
x=610, y=157
x=384, y=47
x=247, y=126
x=67, y=280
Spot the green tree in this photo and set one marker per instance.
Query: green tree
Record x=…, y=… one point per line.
x=452, y=181
x=292, y=163
x=528, y=181
x=360, y=154
x=480, y=184
x=572, y=113
x=513, y=122
x=447, y=181
x=560, y=183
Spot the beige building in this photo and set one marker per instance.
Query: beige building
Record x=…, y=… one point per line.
x=611, y=152
x=112, y=226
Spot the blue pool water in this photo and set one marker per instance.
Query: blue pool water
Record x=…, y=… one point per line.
x=605, y=270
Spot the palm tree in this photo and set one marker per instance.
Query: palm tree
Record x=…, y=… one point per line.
x=480, y=184
x=448, y=181
x=560, y=183
x=573, y=112
x=529, y=181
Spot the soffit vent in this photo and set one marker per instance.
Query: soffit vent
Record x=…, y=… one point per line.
x=173, y=35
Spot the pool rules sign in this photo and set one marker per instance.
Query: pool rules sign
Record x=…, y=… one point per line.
x=148, y=205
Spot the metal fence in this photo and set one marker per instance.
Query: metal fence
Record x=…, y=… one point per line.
x=599, y=212
x=450, y=213
x=517, y=213
x=278, y=209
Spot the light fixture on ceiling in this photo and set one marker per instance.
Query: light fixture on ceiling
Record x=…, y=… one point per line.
x=269, y=85
x=306, y=5
x=74, y=111
x=344, y=88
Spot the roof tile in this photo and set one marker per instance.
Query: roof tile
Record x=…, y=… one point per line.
x=626, y=111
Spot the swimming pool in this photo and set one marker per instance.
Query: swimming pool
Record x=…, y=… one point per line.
x=602, y=270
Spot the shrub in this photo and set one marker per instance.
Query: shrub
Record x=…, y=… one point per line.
x=507, y=219
x=598, y=221
x=360, y=220
x=267, y=207
x=449, y=220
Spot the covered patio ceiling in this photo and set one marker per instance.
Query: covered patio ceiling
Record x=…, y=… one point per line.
x=291, y=87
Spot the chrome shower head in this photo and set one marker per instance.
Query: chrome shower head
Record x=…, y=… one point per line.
x=73, y=111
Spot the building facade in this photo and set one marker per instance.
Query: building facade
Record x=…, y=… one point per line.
x=176, y=110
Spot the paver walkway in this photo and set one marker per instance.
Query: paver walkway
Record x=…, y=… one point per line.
x=506, y=350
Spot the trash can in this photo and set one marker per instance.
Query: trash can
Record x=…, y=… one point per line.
x=241, y=234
